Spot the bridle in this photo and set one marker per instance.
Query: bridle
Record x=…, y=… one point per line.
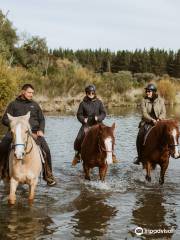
x=29, y=133
x=102, y=149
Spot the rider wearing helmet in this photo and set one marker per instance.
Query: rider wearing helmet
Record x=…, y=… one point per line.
x=153, y=110
x=90, y=112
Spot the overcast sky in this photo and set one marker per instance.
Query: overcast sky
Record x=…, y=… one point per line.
x=113, y=24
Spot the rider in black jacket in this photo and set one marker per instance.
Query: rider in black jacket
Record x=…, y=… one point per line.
x=90, y=112
x=20, y=106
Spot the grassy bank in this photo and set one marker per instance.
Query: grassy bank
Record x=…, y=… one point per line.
x=63, y=88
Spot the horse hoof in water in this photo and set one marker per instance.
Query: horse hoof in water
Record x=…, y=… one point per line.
x=161, y=181
x=148, y=178
x=11, y=202
x=88, y=178
x=30, y=201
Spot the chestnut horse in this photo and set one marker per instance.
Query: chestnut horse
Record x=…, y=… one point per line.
x=97, y=149
x=160, y=143
x=25, y=157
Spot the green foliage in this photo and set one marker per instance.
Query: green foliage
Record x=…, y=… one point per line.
x=8, y=37
x=34, y=54
x=139, y=79
x=115, y=83
x=62, y=72
x=7, y=83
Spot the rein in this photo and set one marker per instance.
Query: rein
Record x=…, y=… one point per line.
x=25, y=144
x=172, y=145
x=102, y=149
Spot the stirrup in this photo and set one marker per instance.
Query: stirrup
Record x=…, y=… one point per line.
x=50, y=181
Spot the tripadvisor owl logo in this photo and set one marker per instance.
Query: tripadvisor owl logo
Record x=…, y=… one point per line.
x=138, y=231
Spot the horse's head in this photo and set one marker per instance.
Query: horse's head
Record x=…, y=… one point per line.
x=172, y=135
x=20, y=130
x=107, y=141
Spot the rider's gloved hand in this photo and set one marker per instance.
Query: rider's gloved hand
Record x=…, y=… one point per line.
x=154, y=121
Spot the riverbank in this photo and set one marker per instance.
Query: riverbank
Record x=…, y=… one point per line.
x=70, y=103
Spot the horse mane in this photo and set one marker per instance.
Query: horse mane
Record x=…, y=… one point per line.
x=93, y=137
x=157, y=134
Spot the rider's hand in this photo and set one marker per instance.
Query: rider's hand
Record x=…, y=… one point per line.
x=154, y=121
x=96, y=118
x=85, y=120
x=40, y=133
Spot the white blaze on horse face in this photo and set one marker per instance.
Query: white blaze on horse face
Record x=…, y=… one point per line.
x=108, y=145
x=174, y=134
x=19, y=145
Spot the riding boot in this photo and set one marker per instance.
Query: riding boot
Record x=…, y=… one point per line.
x=139, y=143
x=77, y=158
x=137, y=161
x=47, y=171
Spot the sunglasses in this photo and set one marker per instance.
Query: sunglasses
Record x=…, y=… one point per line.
x=91, y=93
x=148, y=91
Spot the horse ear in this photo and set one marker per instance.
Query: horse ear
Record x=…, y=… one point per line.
x=113, y=126
x=10, y=117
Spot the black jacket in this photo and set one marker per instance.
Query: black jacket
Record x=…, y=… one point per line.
x=89, y=108
x=20, y=107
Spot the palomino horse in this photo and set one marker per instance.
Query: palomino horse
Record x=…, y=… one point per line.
x=24, y=159
x=97, y=149
x=160, y=143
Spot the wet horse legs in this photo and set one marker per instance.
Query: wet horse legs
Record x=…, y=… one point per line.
x=13, y=187
x=163, y=170
x=102, y=172
x=86, y=172
x=32, y=188
x=148, y=171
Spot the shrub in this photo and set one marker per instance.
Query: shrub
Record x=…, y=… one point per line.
x=8, y=83
x=167, y=90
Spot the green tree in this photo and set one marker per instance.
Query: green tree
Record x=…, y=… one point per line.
x=8, y=38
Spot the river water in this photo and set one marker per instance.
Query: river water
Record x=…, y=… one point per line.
x=78, y=209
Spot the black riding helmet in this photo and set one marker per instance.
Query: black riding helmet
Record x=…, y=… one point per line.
x=151, y=87
x=90, y=88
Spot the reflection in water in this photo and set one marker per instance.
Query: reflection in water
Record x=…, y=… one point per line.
x=22, y=222
x=59, y=214
x=151, y=213
x=93, y=214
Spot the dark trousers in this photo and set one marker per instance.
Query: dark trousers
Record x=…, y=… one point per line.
x=140, y=138
x=5, y=147
x=4, y=152
x=45, y=150
x=80, y=137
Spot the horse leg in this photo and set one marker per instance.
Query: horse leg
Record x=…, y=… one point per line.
x=102, y=172
x=163, y=170
x=148, y=171
x=13, y=187
x=86, y=172
x=32, y=188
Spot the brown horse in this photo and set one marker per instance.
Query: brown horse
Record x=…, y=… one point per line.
x=160, y=143
x=97, y=149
